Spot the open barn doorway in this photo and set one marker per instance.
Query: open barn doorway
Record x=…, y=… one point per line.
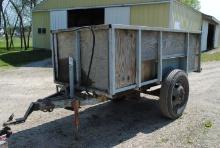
x=86, y=17
x=211, y=37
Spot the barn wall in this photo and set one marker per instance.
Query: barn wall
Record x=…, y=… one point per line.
x=217, y=37
x=205, y=28
x=63, y=4
x=185, y=18
x=41, y=20
x=153, y=15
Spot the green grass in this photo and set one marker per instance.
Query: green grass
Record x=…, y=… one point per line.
x=16, y=40
x=17, y=56
x=20, y=57
x=206, y=57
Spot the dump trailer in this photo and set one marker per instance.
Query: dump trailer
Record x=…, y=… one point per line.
x=113, y=61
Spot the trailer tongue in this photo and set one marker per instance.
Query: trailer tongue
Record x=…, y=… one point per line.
x=124, y=59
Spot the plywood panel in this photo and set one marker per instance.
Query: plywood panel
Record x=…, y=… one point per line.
x=125, y=58
x=67, y=48
x=194, y=47
x=173, y=44
x=99, y=74
x=149, y=70
x=149, y=45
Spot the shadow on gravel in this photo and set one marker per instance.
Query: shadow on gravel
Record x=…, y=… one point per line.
x=20, y=58
x=41, y=64
x=105, y=125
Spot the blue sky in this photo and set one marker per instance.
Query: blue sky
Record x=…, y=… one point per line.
x=211, y=7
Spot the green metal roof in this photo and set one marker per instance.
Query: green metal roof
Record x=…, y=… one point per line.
x=65, y=4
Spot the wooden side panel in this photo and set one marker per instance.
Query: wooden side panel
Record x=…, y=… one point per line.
x=66, y=48
x=125, y=58
x=149, y=70
x=149, y=45
x=149, y=55
x=194, y=46
x=99, y=77
x=173, y=44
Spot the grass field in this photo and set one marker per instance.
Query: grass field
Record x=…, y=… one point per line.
x=207, y=57
x=17, y=56
x=16, y=40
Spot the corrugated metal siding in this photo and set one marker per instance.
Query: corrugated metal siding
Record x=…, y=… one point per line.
x=117, y=15
x=217, y=36
x=205, y=28
x=186, y=18
x=62, y=4
x=41, y=20
x=153, y=15
x=58, y=20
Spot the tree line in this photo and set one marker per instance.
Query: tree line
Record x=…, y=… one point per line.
x=16, y=15
x=193, y=3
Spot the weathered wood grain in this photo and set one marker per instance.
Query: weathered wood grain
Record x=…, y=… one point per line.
x=149, y=70
x=67, y=48
x=194, y=45
x=173, y=44
x=149, y=45
x=125, y=58
x=149, y=55
x=99, y=78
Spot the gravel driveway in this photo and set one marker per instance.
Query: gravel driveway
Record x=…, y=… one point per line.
x=131, y=123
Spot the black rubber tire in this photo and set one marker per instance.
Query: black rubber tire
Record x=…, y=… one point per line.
x=166, y=93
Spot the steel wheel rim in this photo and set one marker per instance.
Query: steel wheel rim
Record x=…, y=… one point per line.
x=179, y=98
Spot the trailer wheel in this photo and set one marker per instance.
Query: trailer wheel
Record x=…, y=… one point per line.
x=174, y=94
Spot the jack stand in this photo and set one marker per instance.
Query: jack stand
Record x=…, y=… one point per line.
x=75, y=105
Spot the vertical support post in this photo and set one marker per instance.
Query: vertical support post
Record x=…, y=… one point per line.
x=56, y=56
x=78, y=58
x=75, y=102
x=160, y=57
x=200, y=54
x=53, y=54
x=72, y=77
x=138, y=58
x=187, y=53
x=112, y=59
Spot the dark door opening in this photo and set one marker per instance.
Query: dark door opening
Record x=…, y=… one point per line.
x=211, y=37
x=86, y=17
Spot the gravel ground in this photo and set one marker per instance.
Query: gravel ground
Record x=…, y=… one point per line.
x=131, y=123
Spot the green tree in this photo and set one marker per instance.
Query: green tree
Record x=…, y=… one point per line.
x=193, y=3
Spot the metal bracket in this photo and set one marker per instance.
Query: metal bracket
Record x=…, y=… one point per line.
x=48, y=104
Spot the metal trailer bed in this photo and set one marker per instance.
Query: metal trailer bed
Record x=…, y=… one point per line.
x=126, y=59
